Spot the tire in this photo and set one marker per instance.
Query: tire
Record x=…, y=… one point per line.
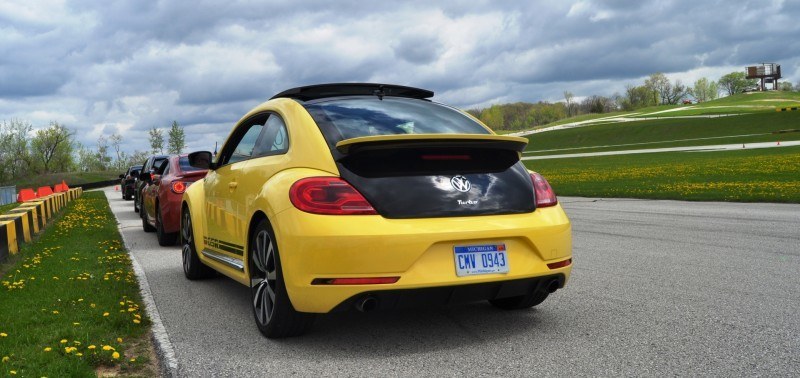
x=135, y=203
x=164, y=239
x=273, y=311
x=520, y=302
x=145, y=225
x=193, y=268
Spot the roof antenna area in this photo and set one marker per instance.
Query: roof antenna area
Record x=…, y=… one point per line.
x=379, y=92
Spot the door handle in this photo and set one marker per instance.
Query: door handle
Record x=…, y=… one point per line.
x=232, y=185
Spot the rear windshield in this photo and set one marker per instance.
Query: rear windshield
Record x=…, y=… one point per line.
x=352, y=117
x=185, y=167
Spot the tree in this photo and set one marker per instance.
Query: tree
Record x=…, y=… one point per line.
x=704, y=90
x=103, y=159
x=786, y=86
x=568, y=99
x=637, y=97
x=156, y=140
x=665, y=93
x=14, y=156
x=116, y=142
x=52, y=147
x=177, y=140
x=735, y=82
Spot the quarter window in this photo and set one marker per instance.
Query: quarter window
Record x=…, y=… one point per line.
x=275, y=139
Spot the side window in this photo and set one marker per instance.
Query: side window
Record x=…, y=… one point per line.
x=275, y=140
x=243, y=142
x=164, y=168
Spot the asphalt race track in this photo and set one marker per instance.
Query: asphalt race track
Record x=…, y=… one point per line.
x=658, y=288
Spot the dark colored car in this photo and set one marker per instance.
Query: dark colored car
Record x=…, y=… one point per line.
x=128, y=180
x=144, y=178
x=161, y=199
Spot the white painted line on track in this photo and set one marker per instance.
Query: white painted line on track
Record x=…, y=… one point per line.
x=709, y=148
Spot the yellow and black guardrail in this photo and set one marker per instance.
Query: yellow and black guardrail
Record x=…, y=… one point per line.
x=787, y=109
x=20, y=224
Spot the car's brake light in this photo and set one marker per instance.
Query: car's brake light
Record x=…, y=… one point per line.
x=178, y=187
x=446, y=157
x=545, y=196
x=328, y=195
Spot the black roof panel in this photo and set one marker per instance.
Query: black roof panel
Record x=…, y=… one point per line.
x=313, y=92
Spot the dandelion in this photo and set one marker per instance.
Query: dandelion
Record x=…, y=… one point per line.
x=55, y=312
x=3, y=334
x=105, y=314
x=64, y=341
x=76, y=324
x=5, y=359
x=107, y=347
x=115, y=355
x=136, y=321
x=119, y=339
x=13, y=372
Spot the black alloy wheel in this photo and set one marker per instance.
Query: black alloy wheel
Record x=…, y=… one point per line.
x=273, y=311
x=193, y=268
x=164, y=239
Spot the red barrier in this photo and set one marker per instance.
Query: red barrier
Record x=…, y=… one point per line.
x=58, y=188
x=25, y=195
x=44, y=191
x=64, y=185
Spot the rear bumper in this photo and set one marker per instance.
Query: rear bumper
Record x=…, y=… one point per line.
x=419, y=251
x=452, y=295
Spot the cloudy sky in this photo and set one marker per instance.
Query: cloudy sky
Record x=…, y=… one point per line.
x=128, y=65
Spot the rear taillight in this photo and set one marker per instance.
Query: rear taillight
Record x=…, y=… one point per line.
x=328, y=195
x=545, y=196
x=178, y=187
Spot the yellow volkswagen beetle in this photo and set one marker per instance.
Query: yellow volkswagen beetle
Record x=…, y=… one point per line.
x=368, y=196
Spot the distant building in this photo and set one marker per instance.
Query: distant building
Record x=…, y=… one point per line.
x=767, y=72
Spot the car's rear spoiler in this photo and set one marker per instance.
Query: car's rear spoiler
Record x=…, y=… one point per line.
x=379, y=142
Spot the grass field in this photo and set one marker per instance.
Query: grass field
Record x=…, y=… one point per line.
x=667, y=130
x=7, y=207
x=72, y=179
x=69, y=301
x=762, y=175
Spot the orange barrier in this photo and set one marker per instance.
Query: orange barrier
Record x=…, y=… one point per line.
x=64, y=185
x=26, y=195
x=44, y=191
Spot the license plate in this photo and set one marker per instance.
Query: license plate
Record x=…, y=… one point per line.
x=480, y=259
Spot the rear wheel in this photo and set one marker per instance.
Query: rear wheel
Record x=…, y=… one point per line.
x=145, y=224
x=164, y=239
x=273, y=311
x=193, y=268
x=520, y=302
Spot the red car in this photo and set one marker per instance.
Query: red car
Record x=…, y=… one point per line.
x=161, y=197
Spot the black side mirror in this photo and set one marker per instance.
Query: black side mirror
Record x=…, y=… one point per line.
x=201, y=159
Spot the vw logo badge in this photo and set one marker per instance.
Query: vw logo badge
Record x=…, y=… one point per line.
x=460, y=183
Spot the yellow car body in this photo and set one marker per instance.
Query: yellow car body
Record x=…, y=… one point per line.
x=225, y=207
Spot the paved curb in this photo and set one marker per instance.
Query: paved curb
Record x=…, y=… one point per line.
x=168, y=363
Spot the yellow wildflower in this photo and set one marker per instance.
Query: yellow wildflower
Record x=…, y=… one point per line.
x=48, y=349
x=3, y=334
x=119, y=339
x=63, y=341
x=115, y=355
x=105, y=314
x=91, y=347
x=136, y=321
x=5, y=359
x=108, y=347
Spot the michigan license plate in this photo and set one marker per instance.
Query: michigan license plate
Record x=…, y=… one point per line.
x=480, y=259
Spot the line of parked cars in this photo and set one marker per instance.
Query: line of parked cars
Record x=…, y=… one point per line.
x=156, y=188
